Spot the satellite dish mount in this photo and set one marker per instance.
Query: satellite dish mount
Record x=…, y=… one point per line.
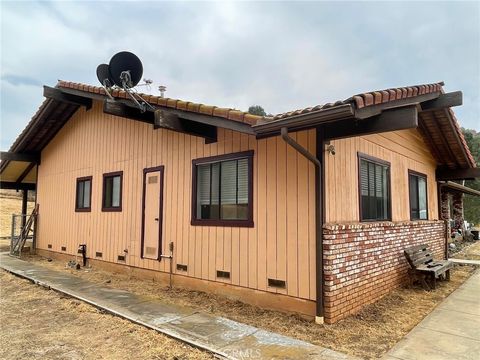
x=124, y=71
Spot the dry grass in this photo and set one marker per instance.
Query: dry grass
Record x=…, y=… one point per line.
x=36, y=323
x=471, y=252
x=369, y=334
x=10, y=203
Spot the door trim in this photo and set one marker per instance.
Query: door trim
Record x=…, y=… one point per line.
x=160, y=212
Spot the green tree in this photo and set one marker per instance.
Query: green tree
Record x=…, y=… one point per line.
x=256, y=110
x=472, y=203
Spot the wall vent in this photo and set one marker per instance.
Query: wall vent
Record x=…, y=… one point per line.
x=49, y=246
x=64, y=248
x=223, y=274
x=121, y=257
x=277, y=283
x=182, y=267
x=98, y=254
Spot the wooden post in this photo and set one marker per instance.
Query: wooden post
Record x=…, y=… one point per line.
x=24, y=207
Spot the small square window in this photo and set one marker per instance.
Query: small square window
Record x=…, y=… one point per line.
x=83, y=196
x=417, y=184
x=112, y=191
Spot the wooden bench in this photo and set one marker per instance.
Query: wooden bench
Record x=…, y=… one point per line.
x=424, y=267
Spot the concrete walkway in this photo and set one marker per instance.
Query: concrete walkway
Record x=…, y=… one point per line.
x=225, y=338
x=451, y=331
x=465, y=261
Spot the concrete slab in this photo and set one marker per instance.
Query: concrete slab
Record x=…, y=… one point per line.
x=454, y=323
x=267, y=345
x=451, y=331
x=465, y=261
x=429, y=344
x=463, y=304
x=223, y=337
x=210, y=329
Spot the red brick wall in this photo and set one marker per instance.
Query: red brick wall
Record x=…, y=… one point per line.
x=364, y=261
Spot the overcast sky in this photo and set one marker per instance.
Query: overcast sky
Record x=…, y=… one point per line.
x=280, y=55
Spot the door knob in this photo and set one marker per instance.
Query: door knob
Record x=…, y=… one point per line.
x=156, y=219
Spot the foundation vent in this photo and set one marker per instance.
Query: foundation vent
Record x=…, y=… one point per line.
x=64, y=248
x=223, y=274
x=277, y=283
x=121, y=257
x=182, y=267
x=98, y=254
x=49, y=246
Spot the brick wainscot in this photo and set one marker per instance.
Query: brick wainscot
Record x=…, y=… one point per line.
x=364, y=261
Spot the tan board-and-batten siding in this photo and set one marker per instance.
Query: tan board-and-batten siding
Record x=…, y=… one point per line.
x=281, y=245
x=404, y=150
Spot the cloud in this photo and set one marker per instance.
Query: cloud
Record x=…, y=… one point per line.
x=282, y=56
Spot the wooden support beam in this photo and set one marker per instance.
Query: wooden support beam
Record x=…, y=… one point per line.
x=59, y=95
x=171, y=121
x=373, y=110
x=427, y=137
x=23, y=157
x=188, y=115
x=388, y=120
x=449, y=185
x=24, y=206
x=14, y=186
x=166, y=120
x=25, y=172
x=446, y=144
x=458, y=174
x=444, y=101
x=118, y=108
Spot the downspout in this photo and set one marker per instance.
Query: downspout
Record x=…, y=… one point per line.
x=319, y=315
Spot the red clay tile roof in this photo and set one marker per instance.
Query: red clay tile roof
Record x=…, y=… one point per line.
x=359, y=101
x=382, y=96
x=231, y=114
x=371, y=98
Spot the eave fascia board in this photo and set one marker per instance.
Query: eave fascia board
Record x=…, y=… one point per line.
x=191, y=116
x=304, y=121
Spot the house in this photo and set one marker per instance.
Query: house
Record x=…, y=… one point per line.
x=307, y=211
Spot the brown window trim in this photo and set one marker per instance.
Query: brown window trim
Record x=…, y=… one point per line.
x=227, y=223
x=418, y=174
x=363, y=156
x=107, y=175
x=85, y=209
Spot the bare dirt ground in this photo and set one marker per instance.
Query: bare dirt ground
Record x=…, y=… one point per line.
x=36, y=323
x=368, y=334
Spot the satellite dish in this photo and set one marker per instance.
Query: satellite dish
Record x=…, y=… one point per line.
x=125, y=69
x=103, y=75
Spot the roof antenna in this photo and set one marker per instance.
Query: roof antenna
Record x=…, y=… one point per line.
x=124, y=71
x=162, y=90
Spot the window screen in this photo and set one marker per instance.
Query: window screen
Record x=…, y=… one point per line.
x=83, y=195
x=223, y=190
x=418, y=196
x=112, y=192
x=374, y=190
